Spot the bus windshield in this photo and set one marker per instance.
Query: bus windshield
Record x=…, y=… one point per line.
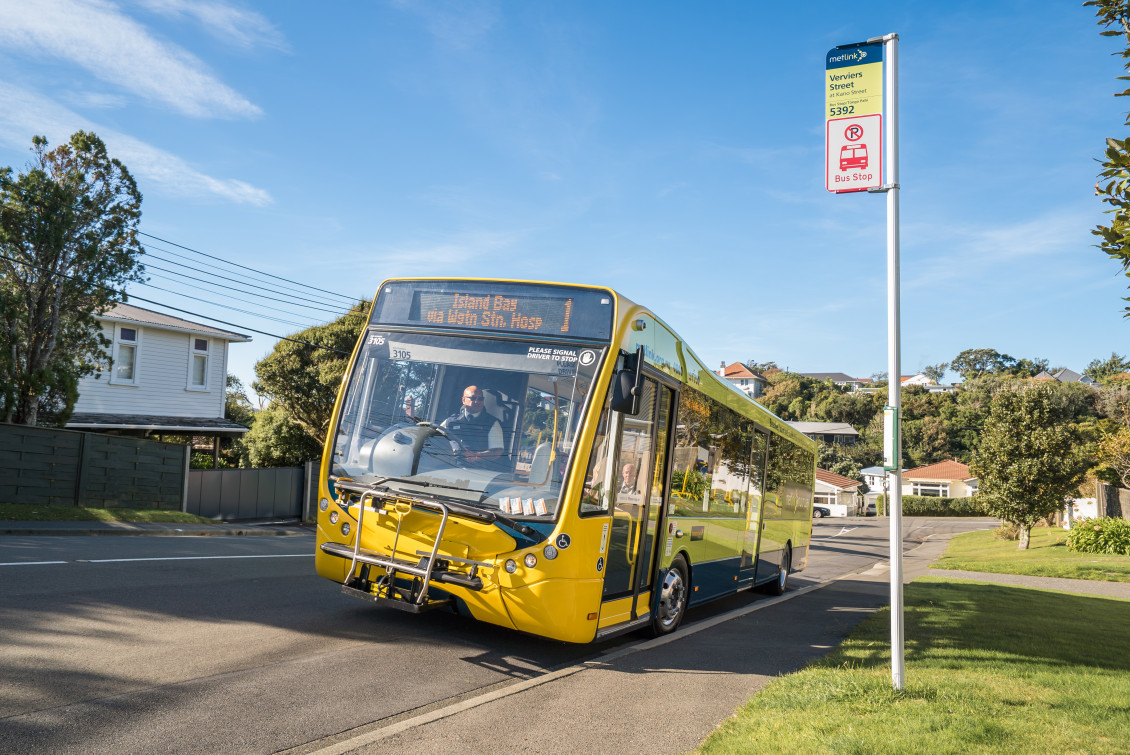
x=485, y=422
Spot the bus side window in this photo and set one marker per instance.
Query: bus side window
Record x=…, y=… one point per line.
x=595, y=498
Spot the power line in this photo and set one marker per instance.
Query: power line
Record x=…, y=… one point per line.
x=124, y=295
x=226, y=306
x=233, y=288
x=186, y=257
x=219, y=275
x=244, y=267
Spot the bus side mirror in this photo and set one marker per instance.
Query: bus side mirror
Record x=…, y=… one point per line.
x=627, y=384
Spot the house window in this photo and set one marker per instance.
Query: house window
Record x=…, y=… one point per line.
x=198, y=364
x=824, y=499
x=125, y=356
x=936, y=489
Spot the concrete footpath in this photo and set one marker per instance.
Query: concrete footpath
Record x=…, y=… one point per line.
x=671, y=692
x=165, y=529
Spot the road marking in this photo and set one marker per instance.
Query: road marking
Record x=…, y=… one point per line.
x=374, y=732
x=372, y=735
x=188, y=558
x=844, y=531
x=163, y=558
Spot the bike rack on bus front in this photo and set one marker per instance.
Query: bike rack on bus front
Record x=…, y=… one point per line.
x=429, y=568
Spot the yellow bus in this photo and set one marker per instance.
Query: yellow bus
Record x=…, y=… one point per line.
x=553, y=459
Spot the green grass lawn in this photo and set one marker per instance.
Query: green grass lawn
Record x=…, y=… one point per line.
x=1047, y=556
x=28, y=513
x=989, y=669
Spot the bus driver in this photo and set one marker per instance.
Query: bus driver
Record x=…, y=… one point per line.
x=478, y=431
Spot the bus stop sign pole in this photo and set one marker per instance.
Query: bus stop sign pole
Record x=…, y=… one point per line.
x=892, y=441
x=862, y=133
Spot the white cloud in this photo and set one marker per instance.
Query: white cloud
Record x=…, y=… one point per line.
x=94, y=34
x=453, y=255
x=956, y=252
x=457, y=24
x=95, y=100
x=244, y=28
x=26, y=114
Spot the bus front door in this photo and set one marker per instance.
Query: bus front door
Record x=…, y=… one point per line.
x=635, y=482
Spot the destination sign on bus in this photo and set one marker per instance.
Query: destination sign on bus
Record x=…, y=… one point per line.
x=497, y=312
x=511, y=307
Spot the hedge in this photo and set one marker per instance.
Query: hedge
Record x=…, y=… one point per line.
x=928, y=505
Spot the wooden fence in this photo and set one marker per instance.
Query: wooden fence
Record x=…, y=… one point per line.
x=50, y=467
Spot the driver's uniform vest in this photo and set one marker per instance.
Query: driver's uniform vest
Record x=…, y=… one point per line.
x=473, y=432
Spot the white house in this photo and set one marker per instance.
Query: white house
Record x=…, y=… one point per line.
x=946, y=479
x=167, y=375
x=839, y=494
x=744, y=379
x=918, y=379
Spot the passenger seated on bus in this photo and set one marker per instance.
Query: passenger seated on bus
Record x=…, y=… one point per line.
x=628, y=480
x=478, y=431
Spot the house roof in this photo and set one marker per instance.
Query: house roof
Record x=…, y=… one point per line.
x=876, y=471
x=151, y=423
x=738, y=370
x=824, y=428
x=835, y=480
x=943, y=470
x=1070, y=376
x=129, y=313
x=835, y=377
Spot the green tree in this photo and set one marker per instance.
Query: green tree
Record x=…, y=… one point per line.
x=68, y=241
x=237, y=407
x=1028, y=367
x=1028, y=461
x=1114, y=452
x=761, y=367
x=834, y=458
x=1114, y=178
x=275, y=440
x=1113, y=402
x=1101, y=369
x=302, y=379
x=973, y=363
x=791, y=396
x=936, y=371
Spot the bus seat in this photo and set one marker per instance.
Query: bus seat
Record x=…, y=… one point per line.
x=498, y=405
x=539, y=464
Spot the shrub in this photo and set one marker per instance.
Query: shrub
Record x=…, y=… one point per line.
x=1108, y=535
x=928, y=505
x=204, y=461
x=1007, y=531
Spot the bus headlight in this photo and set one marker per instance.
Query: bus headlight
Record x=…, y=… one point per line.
x=531, y=560
x=511, y=566
x=345, y=528
x=550, y=552
x=324, y=504
x=333, y=517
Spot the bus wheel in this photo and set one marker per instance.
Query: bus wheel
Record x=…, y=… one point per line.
x=777, y=587
x=673, y=594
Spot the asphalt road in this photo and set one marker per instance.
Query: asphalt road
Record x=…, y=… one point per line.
x=111, y=645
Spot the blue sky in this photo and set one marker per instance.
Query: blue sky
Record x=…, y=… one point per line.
x=671, y=150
